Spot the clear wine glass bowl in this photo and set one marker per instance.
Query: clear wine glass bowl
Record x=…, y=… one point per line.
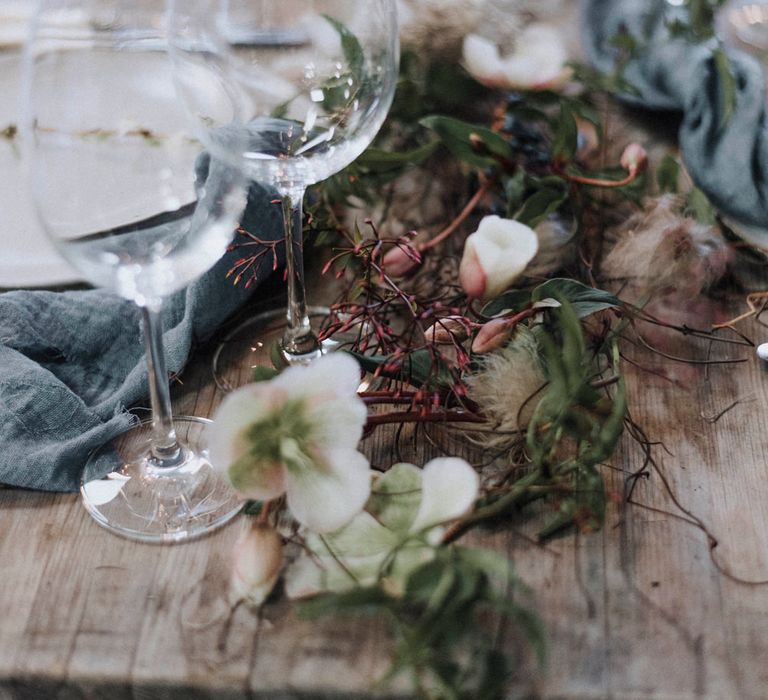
x=123, y=188
x=311, y=82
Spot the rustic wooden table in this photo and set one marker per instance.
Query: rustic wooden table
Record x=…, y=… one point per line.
x=638, y=610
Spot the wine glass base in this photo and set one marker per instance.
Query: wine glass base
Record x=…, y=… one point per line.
x=254, y=343
x=126, y=493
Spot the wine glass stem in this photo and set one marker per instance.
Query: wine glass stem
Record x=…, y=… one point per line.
x=165, y=448
x=299, y=344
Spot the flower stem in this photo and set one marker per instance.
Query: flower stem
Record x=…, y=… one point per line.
x=460, y=219
x=421, y=417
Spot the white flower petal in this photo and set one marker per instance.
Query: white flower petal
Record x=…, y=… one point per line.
x=335, y=374
x=482, y=59
x=328, y=496
x=538, y=61
x=449, y=488
x=239, y=410
x=503, y=248
x=339, y=423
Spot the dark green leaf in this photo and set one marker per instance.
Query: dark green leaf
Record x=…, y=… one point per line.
x=252, y=508
x=668, y=174
x=276, y=356
x=514, y=189
x=699, y=206
x=355, y=602
x=566, y=136
x=585, y=300
x=262, y=373
x=727, y=83
x=513, y=301
x=379, y=161
x=350, y=45
x=472, y=144
x=540, y=205
x=417, y=368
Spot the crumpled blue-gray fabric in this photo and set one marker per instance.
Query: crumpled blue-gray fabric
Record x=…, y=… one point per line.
x=72, y=362
x=727, y=160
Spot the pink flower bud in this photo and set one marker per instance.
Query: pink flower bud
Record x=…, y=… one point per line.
x=634, y=159
x=448, y=330
x=495, y=256
x=256, y=566
x=493, y=335
x=399, y=261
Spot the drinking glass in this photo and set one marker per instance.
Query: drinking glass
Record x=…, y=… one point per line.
x=120, y=186
x=313, y=81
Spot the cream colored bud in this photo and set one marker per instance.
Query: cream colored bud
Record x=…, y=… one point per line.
x=495, y=256
x=256, y=565
x=448, y=330
x=493, y=335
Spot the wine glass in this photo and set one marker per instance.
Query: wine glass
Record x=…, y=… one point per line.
x=120, y=186
x=313, y=81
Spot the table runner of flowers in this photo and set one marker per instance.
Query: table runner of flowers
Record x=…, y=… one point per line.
x=499, y=247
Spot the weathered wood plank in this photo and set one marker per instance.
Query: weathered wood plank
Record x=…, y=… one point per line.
x=635, y=611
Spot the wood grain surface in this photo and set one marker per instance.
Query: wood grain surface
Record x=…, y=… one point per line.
x=638, y=610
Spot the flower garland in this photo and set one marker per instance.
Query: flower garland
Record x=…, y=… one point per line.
x=502, y=336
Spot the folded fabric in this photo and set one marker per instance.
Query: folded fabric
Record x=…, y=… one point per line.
x=72, y=362
x=727, y=158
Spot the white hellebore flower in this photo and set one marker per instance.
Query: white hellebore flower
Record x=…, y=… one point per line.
x=538, y=62
x=495, y=256
x=398, y=531
x=297, y=434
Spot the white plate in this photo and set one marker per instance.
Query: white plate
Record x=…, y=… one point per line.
x=27, y=257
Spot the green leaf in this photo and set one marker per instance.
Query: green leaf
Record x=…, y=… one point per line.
x=513, y=301
x=253, y=508
x=585, y=300
x=378, y=161
x=540, y=205
x=276, y=356
x=566, y=135
x=699, y=206
x=369, y=600
x=395, y=497
x=262, y=373
x=624, y=42
x=495, y=566
x=514, y=189
x=350, y=45
x=727, y=82
x=668, y=174
x=472, y=144
x=417, y=368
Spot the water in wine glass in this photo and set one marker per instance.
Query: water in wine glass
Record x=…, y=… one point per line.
x=144, y=228
x=123, y=188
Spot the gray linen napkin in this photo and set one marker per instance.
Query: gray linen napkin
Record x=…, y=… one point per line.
x=728, y=161
x=72, y=362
